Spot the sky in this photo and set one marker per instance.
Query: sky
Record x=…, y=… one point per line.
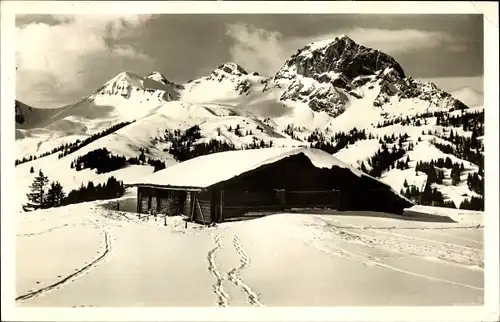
x=63, y=58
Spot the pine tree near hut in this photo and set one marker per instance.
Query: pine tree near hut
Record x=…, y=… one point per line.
x=38, y=187
x=55, y=195
x=32, y=170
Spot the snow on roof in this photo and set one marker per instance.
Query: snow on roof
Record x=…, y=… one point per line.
x=210, y=169
x=207, y=170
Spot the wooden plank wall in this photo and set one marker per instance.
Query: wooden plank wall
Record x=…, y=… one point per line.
x=238, y=203
x=202, y=207
x=327, y=199
x=147, y=195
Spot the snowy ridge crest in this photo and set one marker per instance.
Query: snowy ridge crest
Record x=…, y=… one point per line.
x=127, y=85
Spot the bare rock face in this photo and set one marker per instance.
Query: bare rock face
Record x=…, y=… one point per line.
x=231, y=72
x=232, y=68
x=342, y=56
x=327, y=74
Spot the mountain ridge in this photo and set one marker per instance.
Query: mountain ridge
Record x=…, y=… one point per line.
x=332, y=95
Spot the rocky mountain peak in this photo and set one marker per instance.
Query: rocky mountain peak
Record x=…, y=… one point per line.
x=231, y=68
x=341, y=55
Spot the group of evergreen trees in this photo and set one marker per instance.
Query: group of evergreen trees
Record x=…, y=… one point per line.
x=415, y=120
x=68, y=148
x=475, y=203
x=475, y=183
x=465, y=148
x=291, y=129
x=78, y=145
x=111, y=189
x=437, y=175
x=468, y=121
x=338, y=141
x=43, y=195
x=433, y=175
x=384, y=159
x=101, y=160
x=182, y=144
x=104, y=161
x=429, y=196
x=34, y=157
x=239, y=132
x=185, y=146
x=403, y=165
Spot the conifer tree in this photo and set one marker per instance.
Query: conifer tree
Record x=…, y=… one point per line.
x=38, y=187
x=363, y=167
x=55, y=195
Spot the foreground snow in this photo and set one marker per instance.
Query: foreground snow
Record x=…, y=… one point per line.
x=89, y=255
x=468, y=217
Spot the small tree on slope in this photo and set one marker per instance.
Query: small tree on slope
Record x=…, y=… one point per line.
x=37, y=194
x=55, y=195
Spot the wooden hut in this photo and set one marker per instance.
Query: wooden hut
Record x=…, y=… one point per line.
x=220, y=186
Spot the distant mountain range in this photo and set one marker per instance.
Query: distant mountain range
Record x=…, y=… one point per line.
x=323, y=96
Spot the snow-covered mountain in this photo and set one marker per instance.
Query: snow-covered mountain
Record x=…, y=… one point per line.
x=468, y=96
x=326, y=89
x=32, y=117
x=336, y=75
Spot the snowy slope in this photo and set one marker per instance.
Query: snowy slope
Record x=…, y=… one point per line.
x=326, y=87
x=29, y=117
x=358, y=152
x=426, y=151
x=428, y=263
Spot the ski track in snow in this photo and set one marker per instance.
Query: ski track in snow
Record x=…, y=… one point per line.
x=457, y=237
x=234, y=274
x=370, y=260
x=49, y=230
x=218, y=287
x=447, y=252
x=77, y=273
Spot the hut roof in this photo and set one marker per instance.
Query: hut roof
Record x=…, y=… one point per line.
x=207, y=170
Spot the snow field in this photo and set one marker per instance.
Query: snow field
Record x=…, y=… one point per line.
x=307, y=259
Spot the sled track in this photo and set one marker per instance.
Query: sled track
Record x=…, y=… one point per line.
x=218, y=288
x=233, y=275
x=75, y=274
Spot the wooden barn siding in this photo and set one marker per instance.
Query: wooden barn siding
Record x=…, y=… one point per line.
x=327, y=199
x=297, y=173
x=176, y=199
x=202, y=203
